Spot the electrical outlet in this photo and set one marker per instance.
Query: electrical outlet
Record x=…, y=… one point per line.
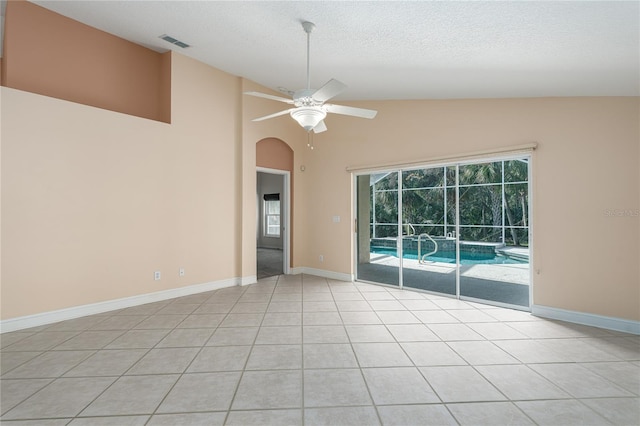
x=156, y=275
x=321, y=258
x=181, y=273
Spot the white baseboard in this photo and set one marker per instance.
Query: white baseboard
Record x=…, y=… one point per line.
x=252, y=279
x=322, y=273
x=600, y=321
x=44, y=318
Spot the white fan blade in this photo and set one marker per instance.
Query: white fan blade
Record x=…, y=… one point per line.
x=272, y=97
x=277, y=114
x=331, y=88
x=320, y=127
x=346, y=110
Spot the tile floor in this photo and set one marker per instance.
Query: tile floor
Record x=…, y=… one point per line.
x=307, y=350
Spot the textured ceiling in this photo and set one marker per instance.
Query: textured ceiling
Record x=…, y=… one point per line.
x=396, y=49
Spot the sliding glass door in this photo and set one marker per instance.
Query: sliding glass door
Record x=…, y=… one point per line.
x=456, y=229
x=494, y=237
x=428, y=253
x=377, y=199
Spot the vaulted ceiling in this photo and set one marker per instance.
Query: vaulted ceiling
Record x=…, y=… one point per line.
x=395, y=49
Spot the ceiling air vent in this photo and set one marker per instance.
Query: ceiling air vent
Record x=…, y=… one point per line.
x=174, y=41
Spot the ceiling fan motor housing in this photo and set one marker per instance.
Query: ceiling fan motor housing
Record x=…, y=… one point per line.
x=304, y=98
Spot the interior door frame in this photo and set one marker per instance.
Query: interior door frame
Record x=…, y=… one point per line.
x=285, y=216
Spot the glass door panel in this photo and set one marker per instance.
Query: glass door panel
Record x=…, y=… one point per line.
x=377, y=244
x=428, y=263
x=494, y=254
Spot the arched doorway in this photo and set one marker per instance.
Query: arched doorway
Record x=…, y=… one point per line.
x=274, y=189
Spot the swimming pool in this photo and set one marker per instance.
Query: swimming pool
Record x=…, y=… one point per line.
x=466, y=257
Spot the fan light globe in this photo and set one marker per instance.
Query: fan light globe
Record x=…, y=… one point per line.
x=308, y=117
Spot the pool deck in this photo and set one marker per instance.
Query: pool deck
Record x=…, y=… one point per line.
x=508, y=273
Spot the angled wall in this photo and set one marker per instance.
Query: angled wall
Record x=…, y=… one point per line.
x=52, y=55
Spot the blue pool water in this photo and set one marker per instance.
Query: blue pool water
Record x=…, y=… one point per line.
x=466, y=258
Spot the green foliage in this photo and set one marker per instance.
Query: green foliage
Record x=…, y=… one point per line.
x=428, y=196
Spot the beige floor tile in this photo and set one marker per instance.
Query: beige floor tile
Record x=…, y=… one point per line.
x=15, y=391
x=42, y=341
x=333, y=388
x=284, y=307
x=519, y=382
x=275, y=357
x=399, y=385
x=369, y=334
x=110, y=421
x=233, y=336
x=397, y=317
x=360, y=318
x=281, y=335
x=62, y=398
x=619, y=411
x=269, y=390
x=412, y=333
x=189, y=419
x=323, y=306
x=381, y=355
x=489, y=414
x=454, y=332
x=220, y=358
x=187, y=337
x=482, y=353
x=242, y=320
x=403, y=415
x=264, y=417
x=282, y=318
x=321, y=318
x=579, y=381
x=623, y=374
x=324, y=334
x=432, y=354
x=111, y=362
x=11, y=360
x=563, y=412
x=496, y=331
x=164, y=361
x=160, y=322
x=353, y=306
x=201, y=392
x=329, y=355
x=138, y=339
x=49, y=365
x=202, y=321
x=460, y=384
x=341, y=416
x=132, y=395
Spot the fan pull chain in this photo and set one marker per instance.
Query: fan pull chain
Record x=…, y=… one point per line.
x=310, y=140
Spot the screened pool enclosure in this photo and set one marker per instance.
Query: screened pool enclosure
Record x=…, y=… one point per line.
x=459, y=229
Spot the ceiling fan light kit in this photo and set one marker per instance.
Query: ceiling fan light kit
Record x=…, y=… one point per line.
x=308, y=117
x=309, y=109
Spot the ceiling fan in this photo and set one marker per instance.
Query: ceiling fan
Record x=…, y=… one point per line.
x=309, y=108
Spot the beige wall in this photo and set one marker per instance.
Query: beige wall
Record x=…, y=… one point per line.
x=93, y=202
x=587, y=162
